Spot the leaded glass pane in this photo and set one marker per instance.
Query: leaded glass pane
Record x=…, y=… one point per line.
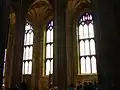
x=51, y=51
x=85, y=31
x=51, y=35
x=48, y=36
x=87, y=48
x=51, y=66
x=30, y=52
x=27, y=27
x=82, y=48
x=90, y=17
x=26, y=67
x=48, y=51
x=31, y=38
x=27, y=52
x=28, y=38
x=92, y=47
x=30, y=67
x=47, y=67
x=23, y=68
x=24, y=54
x=81, y=33
x=25, y=39
x=91, y=31
x=88, y=68
x=94, y=68
x=82, y=65
x=51, y=23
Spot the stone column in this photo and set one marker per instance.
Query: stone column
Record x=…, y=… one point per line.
x=70, y=38
x=37, y=56
x=10, y=49
x=36, y=52
x=60, y=57
x=4, y=21
x=107, y=31
x=16, y=69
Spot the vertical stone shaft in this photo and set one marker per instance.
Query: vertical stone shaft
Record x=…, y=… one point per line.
x=60, y=57
x=16, y=70
x=70, y=48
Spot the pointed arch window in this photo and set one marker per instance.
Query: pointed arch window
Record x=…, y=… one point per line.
x=87, y=45
x=28, y=49
x=49, y=48
x=4, y=67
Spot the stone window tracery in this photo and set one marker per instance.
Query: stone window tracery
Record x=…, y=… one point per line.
x=49, y=48
x=87, y=44
x=4, y=67
x=28, y=49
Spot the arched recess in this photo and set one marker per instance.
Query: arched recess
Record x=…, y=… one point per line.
x=9, y=47
x=38, y=14
x=87, y=44
x=75, y=8
x=79, y=10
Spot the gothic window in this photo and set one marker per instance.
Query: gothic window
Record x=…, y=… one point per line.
x=49, y=49
x=4, y=67
x=87, y=44
x=28, y=50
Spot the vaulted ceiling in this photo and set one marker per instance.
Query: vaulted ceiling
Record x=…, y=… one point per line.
x=40, y=10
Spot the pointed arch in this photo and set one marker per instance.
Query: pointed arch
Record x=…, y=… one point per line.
x=87, y=44
x=49, y=48
x=28, y=49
